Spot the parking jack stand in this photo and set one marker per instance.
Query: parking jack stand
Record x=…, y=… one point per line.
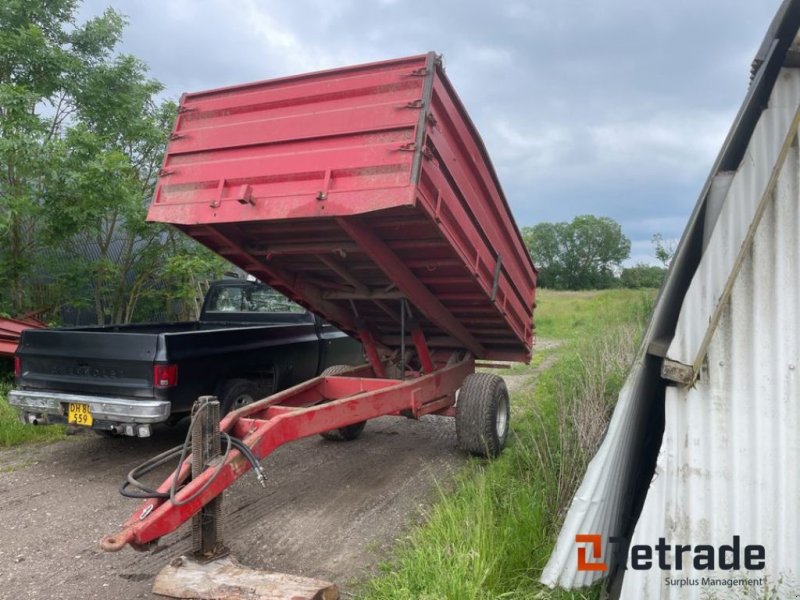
x=209, y=572
x=207, y=524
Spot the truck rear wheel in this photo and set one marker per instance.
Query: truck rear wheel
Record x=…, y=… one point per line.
x=482, y=415
x=348, y=432
x=237, y=393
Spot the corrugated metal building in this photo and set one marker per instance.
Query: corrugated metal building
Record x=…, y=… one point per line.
x=704, y=444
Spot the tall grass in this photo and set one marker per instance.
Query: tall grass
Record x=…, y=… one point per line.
x=492, y=536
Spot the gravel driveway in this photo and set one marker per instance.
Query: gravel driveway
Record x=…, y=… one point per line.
x=330, y=510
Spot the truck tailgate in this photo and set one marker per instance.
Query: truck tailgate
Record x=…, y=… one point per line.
x=103, y=363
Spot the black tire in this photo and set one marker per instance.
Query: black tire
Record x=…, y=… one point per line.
x=237, y=393
x=483, y=415
x=349, y=432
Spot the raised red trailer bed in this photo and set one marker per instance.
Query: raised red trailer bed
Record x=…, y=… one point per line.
x=366, y=195
x=351, y=188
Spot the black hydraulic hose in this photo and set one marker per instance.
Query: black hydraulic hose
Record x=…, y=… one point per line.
x=173, y=489
x=248, y=454
x=153, y=463
x=143, y=469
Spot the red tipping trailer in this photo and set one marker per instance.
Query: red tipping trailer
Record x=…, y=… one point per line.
x=354, y=187
x=366, y=195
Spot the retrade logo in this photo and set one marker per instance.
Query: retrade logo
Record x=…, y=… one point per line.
x=734, y=556
x=595, y=562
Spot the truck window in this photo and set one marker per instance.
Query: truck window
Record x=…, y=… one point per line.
x=226, y=299
x=264, y=299
x=251, y=299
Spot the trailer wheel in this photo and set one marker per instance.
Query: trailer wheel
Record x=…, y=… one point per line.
x=349, y=432
x=237, y=393
x=482, y=415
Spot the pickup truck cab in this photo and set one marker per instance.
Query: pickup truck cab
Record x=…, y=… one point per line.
x=121, y=379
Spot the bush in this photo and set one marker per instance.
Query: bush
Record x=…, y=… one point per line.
x=6, y=370
x=642, y=276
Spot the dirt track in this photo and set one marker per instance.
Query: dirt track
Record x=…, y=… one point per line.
x=330, y=509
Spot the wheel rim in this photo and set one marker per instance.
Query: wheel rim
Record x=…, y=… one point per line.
x=501, y=422
x=242, y=400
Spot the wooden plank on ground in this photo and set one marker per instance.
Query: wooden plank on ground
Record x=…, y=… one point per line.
x=226, y=579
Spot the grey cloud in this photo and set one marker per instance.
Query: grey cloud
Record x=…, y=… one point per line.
x=615, y=108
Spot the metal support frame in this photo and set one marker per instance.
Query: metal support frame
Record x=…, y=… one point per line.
x=421, y=344
x=371, y=350
x=313, y=407
x=408, y=283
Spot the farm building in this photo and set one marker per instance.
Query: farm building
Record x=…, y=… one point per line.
x=704, y=445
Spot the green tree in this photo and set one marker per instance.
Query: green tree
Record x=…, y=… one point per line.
x=45, y=60
x=585, y=253
x=81, y=141
x=664, y=251
x=185, y=275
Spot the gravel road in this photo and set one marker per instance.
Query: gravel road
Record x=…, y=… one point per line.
x=330, y=510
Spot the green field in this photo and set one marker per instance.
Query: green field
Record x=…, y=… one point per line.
x=491, y=536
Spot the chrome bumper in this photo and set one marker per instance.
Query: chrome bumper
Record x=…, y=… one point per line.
x=116, y=410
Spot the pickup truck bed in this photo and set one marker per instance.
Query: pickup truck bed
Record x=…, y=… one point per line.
x=130, y=376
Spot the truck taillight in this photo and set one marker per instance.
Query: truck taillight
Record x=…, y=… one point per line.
x=17, y=366
x=165, y=376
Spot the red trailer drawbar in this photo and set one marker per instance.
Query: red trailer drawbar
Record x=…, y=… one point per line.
x=366, y=195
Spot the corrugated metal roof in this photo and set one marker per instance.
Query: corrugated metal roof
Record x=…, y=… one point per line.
x=619, y=477
x=746, y=198
x=731, y=446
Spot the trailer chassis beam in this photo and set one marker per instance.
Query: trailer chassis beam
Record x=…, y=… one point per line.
x=318, y=405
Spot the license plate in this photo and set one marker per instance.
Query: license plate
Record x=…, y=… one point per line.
x=79, y=414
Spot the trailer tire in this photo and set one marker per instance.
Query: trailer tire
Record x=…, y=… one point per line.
x=349, y=432
x=483, y=415
x=237, y=393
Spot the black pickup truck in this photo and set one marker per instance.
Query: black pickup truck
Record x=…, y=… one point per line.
x=249, y=342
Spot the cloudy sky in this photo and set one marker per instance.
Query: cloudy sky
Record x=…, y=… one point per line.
x=608, y=107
